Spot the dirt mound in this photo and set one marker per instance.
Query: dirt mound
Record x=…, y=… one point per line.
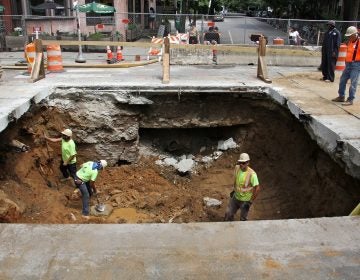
x=141, y=192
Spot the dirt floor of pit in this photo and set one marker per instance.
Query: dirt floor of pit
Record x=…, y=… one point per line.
x=145, y=192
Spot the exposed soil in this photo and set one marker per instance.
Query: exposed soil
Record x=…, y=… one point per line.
x=298, y=180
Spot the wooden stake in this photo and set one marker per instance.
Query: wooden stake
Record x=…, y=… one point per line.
x=262, y=72
x=38, y=69
x=166, y=61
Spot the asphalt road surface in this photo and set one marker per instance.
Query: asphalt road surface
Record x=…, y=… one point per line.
x=237, y=30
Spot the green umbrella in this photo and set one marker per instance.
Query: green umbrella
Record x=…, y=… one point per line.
x=2, y=9
x=96, y=8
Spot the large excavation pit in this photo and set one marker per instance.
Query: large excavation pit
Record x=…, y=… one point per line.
x=145, y=134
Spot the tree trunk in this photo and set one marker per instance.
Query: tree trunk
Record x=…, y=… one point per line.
x=351, y=9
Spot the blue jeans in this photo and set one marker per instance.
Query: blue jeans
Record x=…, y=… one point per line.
x=352, y=71
x=86, y=192
x=235, y=205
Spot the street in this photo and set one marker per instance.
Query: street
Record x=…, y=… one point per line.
x=237, y=30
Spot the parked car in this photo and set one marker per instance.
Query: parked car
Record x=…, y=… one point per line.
x=218, y=17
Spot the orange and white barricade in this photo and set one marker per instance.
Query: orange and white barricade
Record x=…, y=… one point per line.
x=30, y=55
x=153, y=51
x=54, y=58
x=183, y=38
x=340, y=63
x=174, y=39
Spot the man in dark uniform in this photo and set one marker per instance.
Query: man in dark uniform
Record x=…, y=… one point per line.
x=330, y=51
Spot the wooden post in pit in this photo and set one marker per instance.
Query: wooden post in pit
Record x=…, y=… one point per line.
x=262, y=72
x=38, y=69
x=166, y=61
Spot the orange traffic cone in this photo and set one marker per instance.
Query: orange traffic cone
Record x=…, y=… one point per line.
x=119, y=56
x=109, y=53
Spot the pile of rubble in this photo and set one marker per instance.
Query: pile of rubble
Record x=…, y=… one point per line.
x=188, y=163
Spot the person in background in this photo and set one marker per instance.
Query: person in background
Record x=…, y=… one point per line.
x=246, y=189
x=329, y=52
x=217, y=36
x=68, y=154
x=152, y=17
x=85, y=181
x=209, y=36
x=294, y=37
x=352, y=67
x=193, y=34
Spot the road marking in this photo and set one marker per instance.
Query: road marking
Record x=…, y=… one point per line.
x=231, y=40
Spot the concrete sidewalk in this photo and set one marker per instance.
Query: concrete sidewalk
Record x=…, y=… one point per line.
x=326, y=248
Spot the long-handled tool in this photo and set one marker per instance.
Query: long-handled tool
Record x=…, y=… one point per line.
x=100, y=207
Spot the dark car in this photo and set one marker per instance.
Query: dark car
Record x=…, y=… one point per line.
x=218, y=17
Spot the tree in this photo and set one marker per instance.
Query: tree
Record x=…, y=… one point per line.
x=351, y=9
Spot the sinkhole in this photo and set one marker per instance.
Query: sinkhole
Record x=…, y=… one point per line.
x=140, y=132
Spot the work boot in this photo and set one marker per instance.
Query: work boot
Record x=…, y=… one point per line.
x=339, y=99
x=348, y=102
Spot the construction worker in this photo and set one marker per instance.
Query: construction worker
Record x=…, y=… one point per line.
x=246, y=189
x=68, y=154
x=352, y=67
x=85, y=181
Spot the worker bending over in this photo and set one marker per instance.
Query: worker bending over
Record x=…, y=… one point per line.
x=85, y=181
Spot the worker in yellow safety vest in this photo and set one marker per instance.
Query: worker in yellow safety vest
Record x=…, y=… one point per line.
x=68, y=154
x=352, y=67
x=246, y=189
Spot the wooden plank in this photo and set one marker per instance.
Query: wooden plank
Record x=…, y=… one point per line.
x=35, y=71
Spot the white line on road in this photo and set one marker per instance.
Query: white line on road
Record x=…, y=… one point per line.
x=231, y=40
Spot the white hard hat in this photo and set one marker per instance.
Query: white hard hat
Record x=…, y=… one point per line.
x=351, y=31
x=103, y=163
x=67, y=132
x=244, y=157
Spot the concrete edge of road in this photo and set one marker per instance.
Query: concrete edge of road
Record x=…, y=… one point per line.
x=336, y=142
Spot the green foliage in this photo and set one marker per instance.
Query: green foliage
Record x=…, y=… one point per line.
x=16, y=33
x=132, y=26
x=95, y=36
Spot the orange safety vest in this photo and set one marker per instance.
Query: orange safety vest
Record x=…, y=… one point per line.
x=353, y=51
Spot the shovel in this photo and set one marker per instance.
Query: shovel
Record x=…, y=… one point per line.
x=100, y=207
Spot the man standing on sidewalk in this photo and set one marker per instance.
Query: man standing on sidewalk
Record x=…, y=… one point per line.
x=352, y=67
x=68, y=154
x=330, y=52
x=246, y=189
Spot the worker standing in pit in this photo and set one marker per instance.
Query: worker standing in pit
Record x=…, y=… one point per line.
x=246, y=189
x=68, y=154
x=85, y=181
